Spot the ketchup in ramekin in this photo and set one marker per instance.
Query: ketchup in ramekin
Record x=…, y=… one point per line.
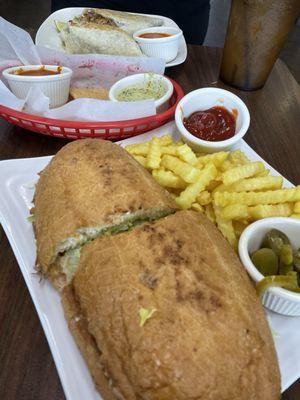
x=215, y=124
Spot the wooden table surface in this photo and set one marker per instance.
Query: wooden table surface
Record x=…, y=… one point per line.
x=27, y=370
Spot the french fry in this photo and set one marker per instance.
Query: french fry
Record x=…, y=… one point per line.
x=140, y=159
x=154, y=154
x=244, y=171
x=252, y=184
x=297, y=216
x=143, y=148
x=185, y=153
x=165, y=140
x=222, y=188
x=226, y=165
x=209, y=212
x=215, y=158
x=238, y=158
x=189, y=195
x=204, y=198
x=297, y=207
x=168, y=179
x=266, y=210
x=226, y=228
x=188, y=173
x=229, y=189
x=239, y=226
x=138, y=148
x=197, y=207
x=265, y=172
x=213, y=184
x=170, y=149
x=255, y=198
x=234, y=211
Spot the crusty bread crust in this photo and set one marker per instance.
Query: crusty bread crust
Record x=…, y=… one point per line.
x=89, y=93
x=85, y=342
x=208, y=339
x=90, y=183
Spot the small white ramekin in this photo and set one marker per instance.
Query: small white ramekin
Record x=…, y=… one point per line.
x=203, y=99
x=166, y=47
x=161, y=104
x=276, y=299
x=56, y=87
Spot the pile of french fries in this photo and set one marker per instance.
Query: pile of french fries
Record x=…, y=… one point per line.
x=226, y=186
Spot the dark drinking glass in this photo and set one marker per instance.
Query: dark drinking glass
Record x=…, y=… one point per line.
x=256, y=32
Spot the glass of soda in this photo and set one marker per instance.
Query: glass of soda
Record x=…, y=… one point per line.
x=256, y=32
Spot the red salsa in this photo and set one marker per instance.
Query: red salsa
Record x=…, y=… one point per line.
x=214, y=124
x=154, y=35
x=37, y=72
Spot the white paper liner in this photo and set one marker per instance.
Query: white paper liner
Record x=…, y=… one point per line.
x=89, y=71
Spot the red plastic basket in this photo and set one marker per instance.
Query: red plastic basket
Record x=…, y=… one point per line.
x=104, y=130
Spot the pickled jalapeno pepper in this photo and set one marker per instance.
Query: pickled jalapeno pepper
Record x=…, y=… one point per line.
x=278, y=262
x=285, y=281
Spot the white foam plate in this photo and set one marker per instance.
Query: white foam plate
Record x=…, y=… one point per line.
x=48, y=36
x=17, y=178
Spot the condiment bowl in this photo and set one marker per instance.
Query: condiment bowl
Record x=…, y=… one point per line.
x=162, y=104
x=165, y=47
x=56, y=87
x=203, y=99
x=276, y=299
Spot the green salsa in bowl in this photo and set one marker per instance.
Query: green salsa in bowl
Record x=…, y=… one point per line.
x=147, y=86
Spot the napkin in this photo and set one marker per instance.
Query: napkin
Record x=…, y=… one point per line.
x=89, y=71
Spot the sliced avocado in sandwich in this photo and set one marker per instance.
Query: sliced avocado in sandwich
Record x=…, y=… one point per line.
x=68, y=251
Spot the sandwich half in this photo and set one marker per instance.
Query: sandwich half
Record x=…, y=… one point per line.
x=166, y=312
x=128, y=22
x=90, y=37
x=91, y=188
x=105, y=32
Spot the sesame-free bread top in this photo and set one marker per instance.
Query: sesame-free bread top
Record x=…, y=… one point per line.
x=208, y=338
x=90, y=183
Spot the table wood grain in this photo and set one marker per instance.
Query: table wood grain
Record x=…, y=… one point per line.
x=27, y=370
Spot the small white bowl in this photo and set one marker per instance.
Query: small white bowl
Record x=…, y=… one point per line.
x=161, y=104
x=166, y=47
x=276, y=299
x=56, y=87
x=203, y=99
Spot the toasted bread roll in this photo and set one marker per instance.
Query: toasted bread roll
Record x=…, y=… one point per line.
x=166, y=312
x=89, y=93
x=90, y=188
